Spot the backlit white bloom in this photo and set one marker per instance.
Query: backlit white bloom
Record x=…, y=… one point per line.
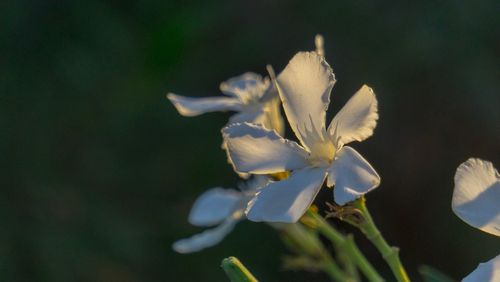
x=221, y=207
x=476, y=200
x=485, y=272
x=476, y=197
x=304, y=87
x=253, y=99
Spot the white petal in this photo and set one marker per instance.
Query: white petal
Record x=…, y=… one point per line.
x=207, y=238
x=485, y=272
x=248, y=86
x=273, y=118
x=255, y=117
x=319, y=42
x=304, y=87
x=357, y=119
x=267, y=115
x=190, y=107
x=352, y=176
x=254, y=149
x=287, y=200
x=214, y=206
x=254, y=184
x=476, y=198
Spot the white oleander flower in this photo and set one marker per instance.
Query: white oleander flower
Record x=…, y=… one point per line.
x=221, y=207
x=304, y=87
x=476, y=200
x=253, y=99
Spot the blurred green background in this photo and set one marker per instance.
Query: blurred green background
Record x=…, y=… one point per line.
x=99, y=171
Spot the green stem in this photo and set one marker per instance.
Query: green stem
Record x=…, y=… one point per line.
x=333, y=270
x=390, y=254
x=349, y=266
x=348, y=244
x=306, y=241
x=236, y=271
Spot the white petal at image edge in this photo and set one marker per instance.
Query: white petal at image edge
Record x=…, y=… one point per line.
x=255, y=149
x=352, y=176
x=357, y=119
x=205, y=239
x=287, y=200
x=304, y=87
x=214, y=206
x=476, y=197
x=485, y=272
x=190, y=107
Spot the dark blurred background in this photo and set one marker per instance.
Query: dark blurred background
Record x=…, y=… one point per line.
x=99, y=171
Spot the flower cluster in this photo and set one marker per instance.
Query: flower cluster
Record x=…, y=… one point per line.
x=255, y=145
x=282, y=177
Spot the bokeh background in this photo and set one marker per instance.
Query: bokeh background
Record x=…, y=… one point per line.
x=99, y=171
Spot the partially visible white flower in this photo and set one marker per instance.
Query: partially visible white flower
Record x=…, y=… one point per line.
x=476, y=200
x=487, y=271
x=253, y=99
x=304, y=88
x=221, y=207
x=476, y=197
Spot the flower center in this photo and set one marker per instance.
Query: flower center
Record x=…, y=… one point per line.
x=322, y=154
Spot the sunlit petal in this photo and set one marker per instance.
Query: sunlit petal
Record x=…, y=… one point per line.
x=205, y=239
x=476, y=198
x=357, y=119
x=304, y=87
x=254, y=149
x=287, y=200
x=485, y=272
x=188, y=106
x=245, y=87
x=352, y=176
x=214, y=206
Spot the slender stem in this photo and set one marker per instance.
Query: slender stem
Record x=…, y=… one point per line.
x=347, y=263
x=333, y=270
x=348, y=244
x=305, y=241
x=236, y=271
x=390, y=254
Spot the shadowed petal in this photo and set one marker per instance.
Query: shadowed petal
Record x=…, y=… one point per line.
x=304, y=87
x=352, y=176
x=254, y=149
x=190, y=107
x=476, y=197
x=357, y=119
x=485, y=272
x=287, y=200
x=214, y=206
x=207, y=238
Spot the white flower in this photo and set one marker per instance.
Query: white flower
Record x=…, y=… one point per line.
x=487, y=271
x=476, y=200
x=218, y=206
x=253, y=98
x=476, y=197
x=304, y=88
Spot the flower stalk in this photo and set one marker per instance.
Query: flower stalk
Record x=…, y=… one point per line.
x=389, y=253
x=346, y=243
x=236, y=271
x=306, y=243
